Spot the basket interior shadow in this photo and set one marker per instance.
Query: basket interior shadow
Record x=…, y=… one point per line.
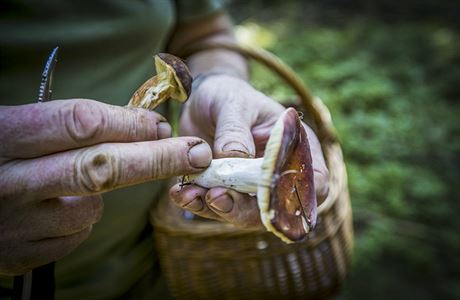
x=204, y=259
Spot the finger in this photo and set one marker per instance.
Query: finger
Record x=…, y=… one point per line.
x=105, y=167
x=64, y=216
x=239, y=209
x=192, y=198
x=233, y=137
x=24, y=256
x=42, y=128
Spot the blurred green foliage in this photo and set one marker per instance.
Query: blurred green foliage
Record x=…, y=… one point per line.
x=393, y=91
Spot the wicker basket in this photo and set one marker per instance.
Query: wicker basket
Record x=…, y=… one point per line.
x=204, y=259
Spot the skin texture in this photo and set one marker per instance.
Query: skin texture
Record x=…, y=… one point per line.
x=56, y=158
x=233, y=118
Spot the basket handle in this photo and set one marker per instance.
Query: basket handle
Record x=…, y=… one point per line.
x=314, y=105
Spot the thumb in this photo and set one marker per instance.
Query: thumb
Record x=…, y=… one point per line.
x=233, y=137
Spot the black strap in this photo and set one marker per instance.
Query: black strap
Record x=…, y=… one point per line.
x=40, y=286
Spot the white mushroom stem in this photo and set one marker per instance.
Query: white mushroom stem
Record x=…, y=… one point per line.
x=241, y=174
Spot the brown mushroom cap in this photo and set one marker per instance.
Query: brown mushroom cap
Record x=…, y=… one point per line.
x=181, y=73
x=286, y=197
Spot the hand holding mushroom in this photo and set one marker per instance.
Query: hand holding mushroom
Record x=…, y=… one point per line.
x=282, y=180
x=238, y=120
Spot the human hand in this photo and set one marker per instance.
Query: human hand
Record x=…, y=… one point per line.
x=237, y=120
x=57, y=157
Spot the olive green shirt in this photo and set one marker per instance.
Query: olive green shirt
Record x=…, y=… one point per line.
x=106, y=50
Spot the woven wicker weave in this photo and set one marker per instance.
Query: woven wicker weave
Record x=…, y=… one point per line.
x=204, y=259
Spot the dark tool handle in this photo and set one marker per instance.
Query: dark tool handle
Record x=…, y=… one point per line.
x=42, y=284
x=39, y=283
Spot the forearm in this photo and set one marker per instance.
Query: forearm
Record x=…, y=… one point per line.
x=217, y=28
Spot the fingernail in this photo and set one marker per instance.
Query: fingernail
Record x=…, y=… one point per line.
x=223, y=203
x=200, y=155
x=195, y=205
x=235, y=147
x=163, y=130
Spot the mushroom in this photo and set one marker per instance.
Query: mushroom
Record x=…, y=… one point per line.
x=282, y=179
x=173, y=80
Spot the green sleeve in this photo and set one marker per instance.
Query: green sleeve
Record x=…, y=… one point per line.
x=189, y=10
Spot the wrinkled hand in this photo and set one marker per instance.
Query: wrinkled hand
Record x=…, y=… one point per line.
x=57, y=157
x=237, y=120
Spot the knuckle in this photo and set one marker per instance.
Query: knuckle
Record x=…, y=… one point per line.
x=96, y=171
x=83, y=121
